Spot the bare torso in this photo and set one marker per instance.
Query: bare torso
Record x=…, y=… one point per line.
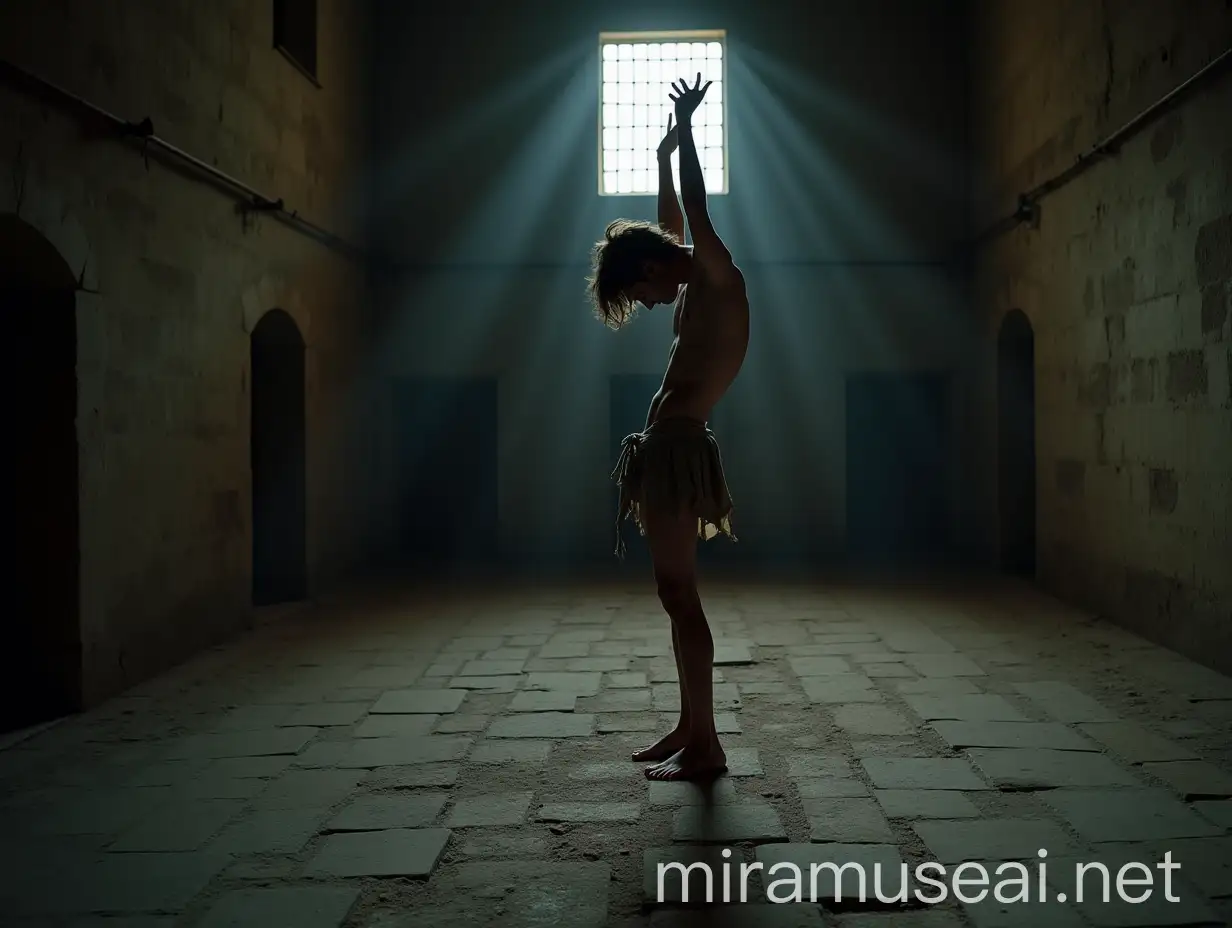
x=711, y=329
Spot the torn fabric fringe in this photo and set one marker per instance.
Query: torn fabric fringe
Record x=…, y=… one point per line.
x=674, y=465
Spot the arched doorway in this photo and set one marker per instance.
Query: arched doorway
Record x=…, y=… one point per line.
x=40, y=666
x=279, y=462
x=1016, y=443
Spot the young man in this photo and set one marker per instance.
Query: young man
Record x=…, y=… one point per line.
x=671, y=475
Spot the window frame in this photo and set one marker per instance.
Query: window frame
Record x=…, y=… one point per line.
x=666, y=35
x=279, y=14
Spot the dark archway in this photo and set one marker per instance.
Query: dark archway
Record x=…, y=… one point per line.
x=279, y=462
x=40, y=666
x=1016, y=443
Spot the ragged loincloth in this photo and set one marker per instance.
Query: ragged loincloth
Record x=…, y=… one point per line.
x=674, y=466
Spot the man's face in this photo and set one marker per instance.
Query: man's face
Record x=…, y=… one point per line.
x=654, y=288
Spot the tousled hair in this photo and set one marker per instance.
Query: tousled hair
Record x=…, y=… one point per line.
x=617, y=264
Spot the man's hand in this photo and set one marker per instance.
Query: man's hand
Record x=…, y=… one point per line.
x=686, y=98
x=670, y=141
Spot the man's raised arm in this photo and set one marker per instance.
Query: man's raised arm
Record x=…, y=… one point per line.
x=708, y=248
x=670, y=216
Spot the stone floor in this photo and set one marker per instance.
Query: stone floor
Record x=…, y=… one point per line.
x=461, y=759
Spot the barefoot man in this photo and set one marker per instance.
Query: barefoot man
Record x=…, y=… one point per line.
x=671, y=475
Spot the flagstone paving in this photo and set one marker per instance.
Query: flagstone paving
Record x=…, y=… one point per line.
x=461, y=758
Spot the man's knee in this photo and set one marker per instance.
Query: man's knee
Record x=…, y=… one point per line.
x=677, y=593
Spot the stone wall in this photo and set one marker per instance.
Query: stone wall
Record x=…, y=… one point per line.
x=1126, y=276
x=172, y=281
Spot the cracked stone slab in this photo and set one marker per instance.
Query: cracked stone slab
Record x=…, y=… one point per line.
x=831, y=788
x=847, y=821
x=627, y=680
x=506, y=654
x=818, y=764
x=878, y=669
x=490, y=810
x=460, y=724
x=855, y=650
x=136, y=882
x=599, y=664
x=1101, y=815
x=557, y=649
x=589, y=812
x=614, y=723
x=534, y=753
x=420, y=702
x=1217, y=811
x=277, y=831
x=1135, y=743
x=179, y=826
x=989, y=734
x=376, y=813
x=1012, y=768
x=419, y=775
x=679, y=793
x=582, y=683
x=543, y=701
x=945, y=773
x=819, y=666
x=1193, y=779
x=840, y=688
x=872, y=719
x=397, y=752
x=307, y=789
x=763, y=688
x=503, y=684
x=396, y=726
x=992, y=839
x=301, y=906
x=405, y=852
x=845, y=873
x=981, y=707
x=527, y=894
x=775, y=636
x=943, y=665
x=732, y=655
x=606, y=770
x=936, y=686
x=1065, y=702
x=382, y=678
x=743, y=762
x=476, y=643
x=516, y=844
x=327, y=715
x=925, y=803
x=484, y=668
x=256, y=743
x=619, y=701
x=544, y=725
x=753, y=820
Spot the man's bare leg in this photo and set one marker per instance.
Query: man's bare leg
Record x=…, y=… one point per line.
x=674, y=740
x=673, y=546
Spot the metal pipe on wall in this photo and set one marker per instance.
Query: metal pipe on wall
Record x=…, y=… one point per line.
x=1027, y=202
x=142, y=134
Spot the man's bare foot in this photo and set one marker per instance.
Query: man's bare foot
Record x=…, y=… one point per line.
x=665, y=747
x=691, y=763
